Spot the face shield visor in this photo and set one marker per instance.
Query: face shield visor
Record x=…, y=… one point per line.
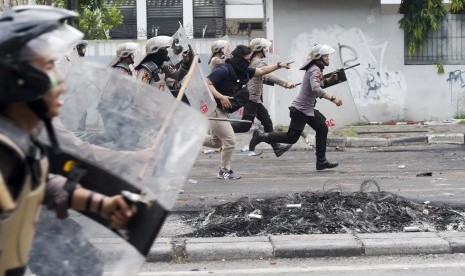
x=51, y=45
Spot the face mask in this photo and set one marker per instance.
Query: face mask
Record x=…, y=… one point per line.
x=240, y=64
x=164, y=54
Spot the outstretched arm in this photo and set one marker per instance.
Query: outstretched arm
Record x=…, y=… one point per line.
x=277, y=80
x=271, y=68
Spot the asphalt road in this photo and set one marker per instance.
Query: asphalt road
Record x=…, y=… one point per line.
x=266, y=175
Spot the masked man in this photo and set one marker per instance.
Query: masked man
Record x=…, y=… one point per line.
x=155, y=69
x=225, y=82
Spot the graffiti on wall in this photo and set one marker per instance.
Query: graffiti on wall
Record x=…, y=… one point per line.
x=456, y=81
x=371, y=82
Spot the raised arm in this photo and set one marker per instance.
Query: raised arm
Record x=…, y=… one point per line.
x=271, y=68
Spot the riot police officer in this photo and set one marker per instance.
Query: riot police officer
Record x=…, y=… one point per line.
x=32, y=38
x=302, y=110
x=125, y=53
x=220, y=52
x=155, y=69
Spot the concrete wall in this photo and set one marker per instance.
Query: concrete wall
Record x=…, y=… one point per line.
x=382, y=87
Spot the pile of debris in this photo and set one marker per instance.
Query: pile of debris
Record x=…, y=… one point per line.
x=331, y=212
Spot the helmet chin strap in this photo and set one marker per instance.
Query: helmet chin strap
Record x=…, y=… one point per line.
x=39, y=107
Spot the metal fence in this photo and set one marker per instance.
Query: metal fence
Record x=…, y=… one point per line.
x=163, y=17
x=446, y=45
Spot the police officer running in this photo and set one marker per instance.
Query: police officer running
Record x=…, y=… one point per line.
x=302, y=110
x=254, y=107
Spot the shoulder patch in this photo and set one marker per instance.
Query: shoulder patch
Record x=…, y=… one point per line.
x=146, y=77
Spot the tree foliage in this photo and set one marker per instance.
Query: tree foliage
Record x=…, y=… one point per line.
x=96, y=17
x=457, y=7
x=420, y=16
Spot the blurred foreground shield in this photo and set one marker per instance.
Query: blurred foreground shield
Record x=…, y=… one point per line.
x=124, y=135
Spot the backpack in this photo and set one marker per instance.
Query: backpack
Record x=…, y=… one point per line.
x=239, y=91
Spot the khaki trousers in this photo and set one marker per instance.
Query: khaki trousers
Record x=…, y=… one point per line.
x=221, y=136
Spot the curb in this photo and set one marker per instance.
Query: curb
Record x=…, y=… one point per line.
x=182, y=250
x=356, y=142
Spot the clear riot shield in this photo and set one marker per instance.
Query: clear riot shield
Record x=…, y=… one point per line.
x=138, y=134
x=198, y=94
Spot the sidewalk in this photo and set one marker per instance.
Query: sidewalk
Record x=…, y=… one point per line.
x=180, y=250
x=382, y=134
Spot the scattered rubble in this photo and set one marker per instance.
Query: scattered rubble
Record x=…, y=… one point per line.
x=367, y=211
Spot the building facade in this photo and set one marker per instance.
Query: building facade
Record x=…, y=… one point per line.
x=201, y=18
x=389, y=84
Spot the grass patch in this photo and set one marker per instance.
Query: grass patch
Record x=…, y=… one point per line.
x=346, y=132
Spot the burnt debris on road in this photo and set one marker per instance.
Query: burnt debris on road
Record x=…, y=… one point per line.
x=329, y=212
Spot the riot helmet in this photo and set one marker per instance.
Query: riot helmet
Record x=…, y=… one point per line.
x=219, y=46
x=81, y=47
x=28, y=32
x=125, y=50
x=156, y=49
x=157, y=43
x=260, y=45
x=316, y=53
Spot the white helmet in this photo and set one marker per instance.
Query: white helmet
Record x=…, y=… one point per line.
x=320, y=50
x=259, y=44
x=126, y=49
x=156, y=43
x=218, y=45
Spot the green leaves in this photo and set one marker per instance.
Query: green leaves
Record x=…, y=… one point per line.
x=440, y=68
x=96, y=23
x=457, y=7
x=96, y=17
x=420, y=17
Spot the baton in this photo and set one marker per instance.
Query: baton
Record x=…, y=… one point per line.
x=229, y=120
x=351, y=66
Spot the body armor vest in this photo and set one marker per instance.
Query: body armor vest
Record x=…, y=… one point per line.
x=157, y=76
x=124, y=66
x=17, y=227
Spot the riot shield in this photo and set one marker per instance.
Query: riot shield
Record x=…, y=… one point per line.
x=198, y=94
x=135, y=136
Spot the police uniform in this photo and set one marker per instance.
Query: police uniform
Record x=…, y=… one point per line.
x=24, y=172
x=160, y=77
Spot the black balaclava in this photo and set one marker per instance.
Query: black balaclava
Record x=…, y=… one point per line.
x=160, y=57
x=320, y=65
x=239, y=63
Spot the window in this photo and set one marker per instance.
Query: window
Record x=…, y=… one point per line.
x=446, y=45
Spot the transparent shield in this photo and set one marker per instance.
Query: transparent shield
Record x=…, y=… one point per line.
x=132, y=130
x=180, y=43
x=198, y=94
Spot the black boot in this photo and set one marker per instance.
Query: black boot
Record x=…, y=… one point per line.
x=323, y=163
x=257, y=138
x=280, y=149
